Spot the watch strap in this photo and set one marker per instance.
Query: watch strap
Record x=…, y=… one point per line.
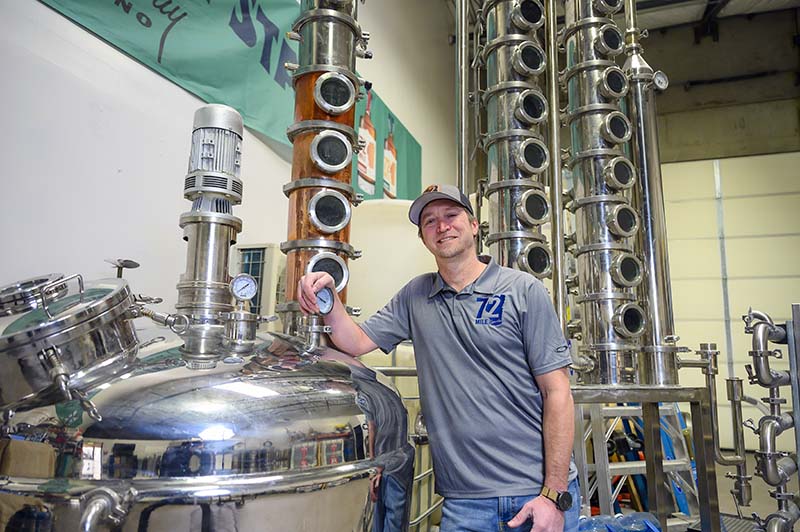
x=550, y=494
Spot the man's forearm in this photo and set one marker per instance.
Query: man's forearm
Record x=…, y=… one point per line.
x=557, y=431
x=345, y=333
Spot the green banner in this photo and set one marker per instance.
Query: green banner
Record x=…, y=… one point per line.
x=228, y=52
x=233, y=52
x=390, y=165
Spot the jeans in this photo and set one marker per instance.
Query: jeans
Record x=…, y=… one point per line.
x=492, y=514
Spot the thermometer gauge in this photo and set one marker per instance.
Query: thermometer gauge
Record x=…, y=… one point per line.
x=244, y=287
x=325, y=300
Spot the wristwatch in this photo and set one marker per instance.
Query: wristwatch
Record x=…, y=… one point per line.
x=562, y=499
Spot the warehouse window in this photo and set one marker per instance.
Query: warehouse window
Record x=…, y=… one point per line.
x=253, y=264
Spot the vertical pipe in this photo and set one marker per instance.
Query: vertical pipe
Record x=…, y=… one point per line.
x=554, y=172
x=659, y=364
x=723, y=266
x=462, y=85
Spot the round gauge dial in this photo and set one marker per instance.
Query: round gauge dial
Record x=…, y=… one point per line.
x=325, y=300
x=244, y=287
x=660, y=80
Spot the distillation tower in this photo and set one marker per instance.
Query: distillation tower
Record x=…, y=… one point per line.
x=324, y=141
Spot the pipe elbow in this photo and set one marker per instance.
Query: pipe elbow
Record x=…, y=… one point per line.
x=765, y=376
x=783, y=520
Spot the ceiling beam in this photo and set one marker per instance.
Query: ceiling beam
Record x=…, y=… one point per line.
x=643, y=5
x=708, y=24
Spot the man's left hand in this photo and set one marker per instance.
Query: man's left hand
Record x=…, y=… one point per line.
x=543, y=514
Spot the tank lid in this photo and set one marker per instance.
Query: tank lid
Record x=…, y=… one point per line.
x=26, y=294
x=67, y=315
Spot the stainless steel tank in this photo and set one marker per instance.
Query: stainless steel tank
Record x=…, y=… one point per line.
x=279, y=438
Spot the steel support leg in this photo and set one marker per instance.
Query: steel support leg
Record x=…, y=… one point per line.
x=704, y=459
x=660, y=502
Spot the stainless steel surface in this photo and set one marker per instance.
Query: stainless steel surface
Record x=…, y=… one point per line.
x=793, y=336
x=611, y=319
x=82, y=337
x=26, y=295
x=262, y=434
x=516, y=111
x=462, y=90
x=555, y=180
x=657, y=497
x=659, y=364
x=209, y=228
x=703, y=445
x=775, y=468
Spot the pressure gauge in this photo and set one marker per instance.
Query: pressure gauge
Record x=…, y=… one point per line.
x=244, y=287
x=660, y=80
x=325, y=300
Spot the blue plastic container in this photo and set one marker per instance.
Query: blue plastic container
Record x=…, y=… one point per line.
x=599, y=523
x=639, y=522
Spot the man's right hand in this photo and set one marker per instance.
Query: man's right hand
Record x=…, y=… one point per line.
x=307, y=289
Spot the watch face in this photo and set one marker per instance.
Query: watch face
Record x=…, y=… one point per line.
x=564, y=501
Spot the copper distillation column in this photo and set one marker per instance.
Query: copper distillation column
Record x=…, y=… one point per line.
x=324, y=141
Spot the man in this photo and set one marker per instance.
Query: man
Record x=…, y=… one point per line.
x=492, y=367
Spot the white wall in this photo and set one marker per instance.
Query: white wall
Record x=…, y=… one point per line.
x=95, y=145
x=758, y=197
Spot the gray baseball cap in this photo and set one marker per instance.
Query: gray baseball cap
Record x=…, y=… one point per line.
x=437, y=192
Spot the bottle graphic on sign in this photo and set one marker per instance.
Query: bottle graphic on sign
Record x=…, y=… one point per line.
x=390, y=163
x=366, y=157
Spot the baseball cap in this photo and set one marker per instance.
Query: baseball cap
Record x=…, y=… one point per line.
x=437, y=192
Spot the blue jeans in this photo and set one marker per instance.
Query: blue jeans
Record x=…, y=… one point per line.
x=492, y=514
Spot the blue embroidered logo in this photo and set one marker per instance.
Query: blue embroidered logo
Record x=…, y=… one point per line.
x=491, y=311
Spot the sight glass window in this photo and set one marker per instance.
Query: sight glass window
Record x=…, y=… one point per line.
x=334, y=93
x=532, y=107
x=331, y=264
x=329, y=211
x=531, y=156
x=533, y=207
x=528, y=59
x=535, y=259
x=331, y=151
x=528, y=15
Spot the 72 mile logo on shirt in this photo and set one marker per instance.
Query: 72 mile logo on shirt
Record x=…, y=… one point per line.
x=491, y=310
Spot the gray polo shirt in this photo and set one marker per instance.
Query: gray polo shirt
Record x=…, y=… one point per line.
x=477, y=353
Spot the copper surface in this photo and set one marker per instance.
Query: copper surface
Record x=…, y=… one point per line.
x=300, y=226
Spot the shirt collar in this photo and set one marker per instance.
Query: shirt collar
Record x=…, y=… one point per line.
x=484, y=284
